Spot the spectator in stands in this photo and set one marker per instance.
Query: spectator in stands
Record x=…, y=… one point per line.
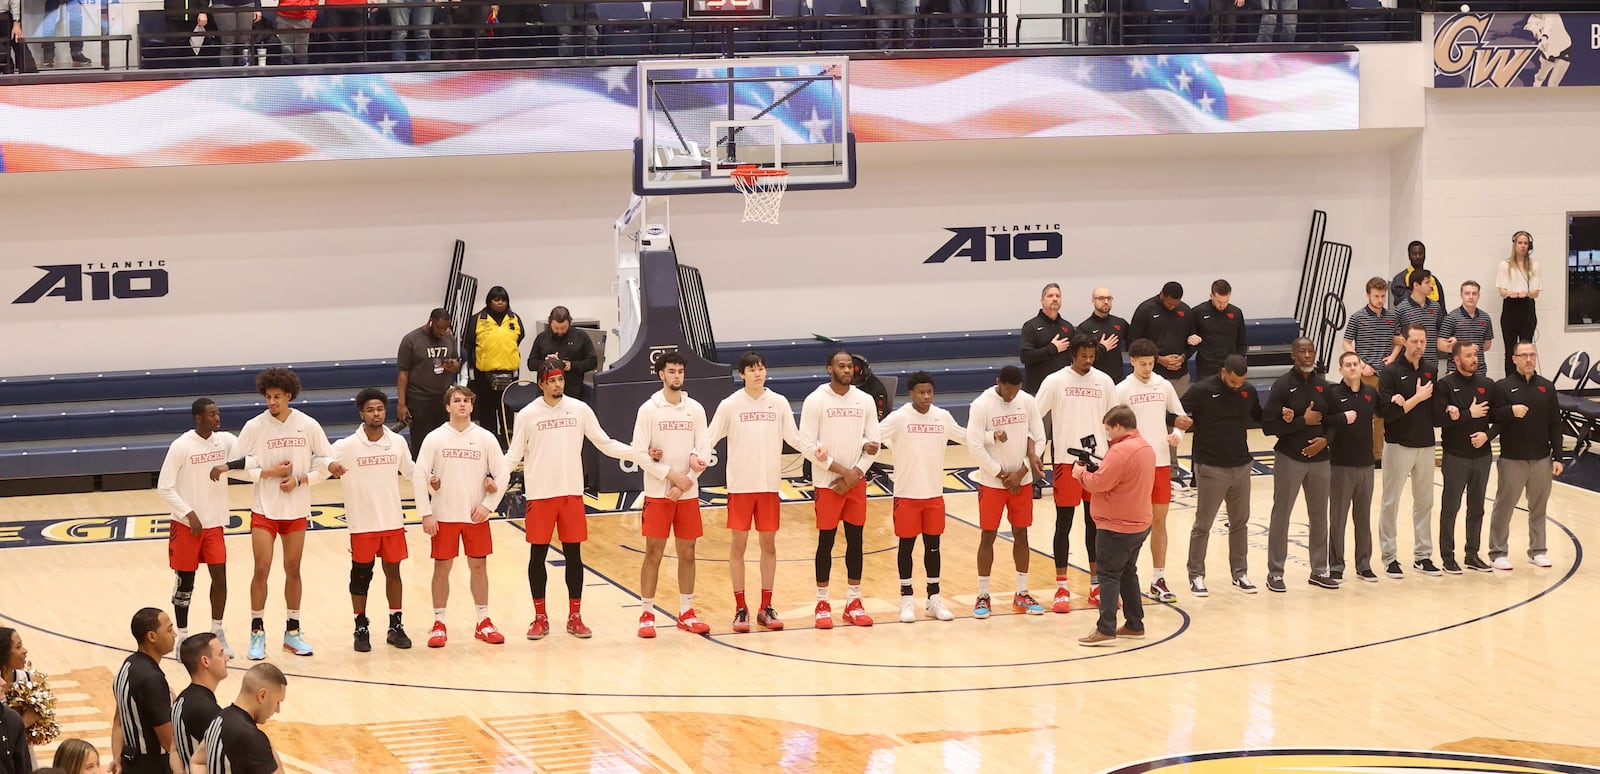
x=11, y=20
x=467, y=38
x=1225, y=21
x=406, y=14
x=1467, y=323
x=908, y=25
x=1044, y=340
x=1220, y=326
x=294, y=20
x=76, y=756
x=348, y=44
x=490, y=343
x=50, y=25
x=1517, y=279
x=1277, y=23
x=1109, y=333
x=428, y=363
x=574, y=348
x=1165, y=320
x=1400, y=286
x=572, y=34
x=234, y=19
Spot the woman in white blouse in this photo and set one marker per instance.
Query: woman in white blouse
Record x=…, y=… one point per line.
x=1518, y=282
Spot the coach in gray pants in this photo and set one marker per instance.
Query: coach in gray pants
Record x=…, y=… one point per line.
x=1349, y=421
x=1461, y=410
x=1405, y=392
x=1294, y=412
x=1524, y=406
x=1223, y=407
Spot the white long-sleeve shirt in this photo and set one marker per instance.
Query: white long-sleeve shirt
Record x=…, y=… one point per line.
x=548, y=441
x=264, y=442
x=756, y=429
x=678, y=430
x=372, y=473
x=918, y=441
x=185, y=480
x=842, y=424
x=1021, y=421
x=1077, y=404
x=461, y=459
x=1151, y=402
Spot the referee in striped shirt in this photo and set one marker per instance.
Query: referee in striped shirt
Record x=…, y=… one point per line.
x=1373, y=333
x=142, y=740
x=1466, y=323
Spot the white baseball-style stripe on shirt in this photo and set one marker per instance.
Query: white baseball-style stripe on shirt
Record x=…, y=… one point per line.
x=372, y=473
x=842, y=424
x=678, y=430
x=1151, y=402
x=1077, y=405
x=185, y=480
x=918, y=441
x=756, y=429
x=548, y=441
x=265, y=442
x=1019, y=419
x=462, y=459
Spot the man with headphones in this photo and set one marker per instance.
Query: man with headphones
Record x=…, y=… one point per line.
x=1517, y=279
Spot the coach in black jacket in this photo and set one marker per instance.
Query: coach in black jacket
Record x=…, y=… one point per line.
x=1461, y=410
x=1165, y=320
x=1525, y=406
x=1044, y=340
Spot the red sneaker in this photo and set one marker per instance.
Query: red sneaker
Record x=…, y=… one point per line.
x=539, y=628
x=437, y=637
x=741, y=621
x=824, y=615
x=691, y=623
x=576, y=628
x=1094, y=596
x=768, y=618
x=647, y=625
x=488, y=633
x=1063, y=602
x=856, y=615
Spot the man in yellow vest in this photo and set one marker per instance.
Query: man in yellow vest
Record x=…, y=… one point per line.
x=1400, y=287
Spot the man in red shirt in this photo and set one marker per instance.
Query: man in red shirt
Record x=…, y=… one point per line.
x=295, y=18
x=1121, y=488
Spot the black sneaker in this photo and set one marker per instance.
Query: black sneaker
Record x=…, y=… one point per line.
x=1450, y=566
x=1243, y=583
x=79, y=60
x=1393, y=570
x=1474, y=563
x=1426, y=567
x=1275, y=583
x=47, y=64
x=1323, y=581
x=1370, y=576
x=1336, y=575
x=363, y=639
x=397, y=637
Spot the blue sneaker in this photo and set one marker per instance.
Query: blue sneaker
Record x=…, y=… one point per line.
x=294, y=643
x=1024, y=602
x=981, y=608
x=258, y=646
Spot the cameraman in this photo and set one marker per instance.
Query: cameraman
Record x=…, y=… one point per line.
x=1121, y=486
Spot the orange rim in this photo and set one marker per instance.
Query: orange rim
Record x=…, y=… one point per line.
x=750, y=172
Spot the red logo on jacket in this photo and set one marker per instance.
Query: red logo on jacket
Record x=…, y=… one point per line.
x=1244, y=394
x=1230, y=315
x=1541, y=388
x=1368, y=397
x=1480, y=390
x=1180, y=312
x=1319, y=388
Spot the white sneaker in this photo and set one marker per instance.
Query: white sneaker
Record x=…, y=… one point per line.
x=227, y=650
x=1540, y=560
x=1501, y=563
x=908, y=610
x=936, y=609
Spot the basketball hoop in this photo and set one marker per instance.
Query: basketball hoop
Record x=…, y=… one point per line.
x=763, y=191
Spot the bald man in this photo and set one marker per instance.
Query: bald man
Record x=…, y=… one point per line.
x=1109, y=333
x=235, y=742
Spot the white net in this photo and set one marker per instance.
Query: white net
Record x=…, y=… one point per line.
x=763, y=193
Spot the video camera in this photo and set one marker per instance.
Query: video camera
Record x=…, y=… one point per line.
x=1086, y=456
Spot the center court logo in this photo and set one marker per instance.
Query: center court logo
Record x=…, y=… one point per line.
x=1025, y=242
x=1336, y=761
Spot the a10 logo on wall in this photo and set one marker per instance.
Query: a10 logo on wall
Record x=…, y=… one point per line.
x=98, y=281
x=1026, y=242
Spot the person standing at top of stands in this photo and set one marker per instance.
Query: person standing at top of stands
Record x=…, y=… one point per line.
x=141, y=725
x=1220, y=326
x=293, y=20
x=428, y=362
x=1466, y=323
x=1517, y=280
x=1373, y=333
x=1109, y=332
x=1044, y=340
x=1419, y=309
x=1165, y=320
x=572, y=349
x=489, y=344
x=1400, y=286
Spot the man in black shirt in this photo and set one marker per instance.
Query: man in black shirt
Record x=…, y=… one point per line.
x=1417, y=258
x=1405, y=389
x=15, y=757
x=573, y=348
x=141, y=734
x=1349, y=419
x=1110, y=335
x=196, y=707
x=1220, y=326
x=429, y=359
x=1524, y=406
x=235, y=743
x=1165, y=320
x=1294, y=412
x=1044, y=340
x=1222, y=407
x=1461, y=409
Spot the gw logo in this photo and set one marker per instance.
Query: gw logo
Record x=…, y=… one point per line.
x=658, y=352
x=1022, y=243
x=1459, y=49
x=124, y=279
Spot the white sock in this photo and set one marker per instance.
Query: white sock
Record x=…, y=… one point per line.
x=1061, y=582
x=482, y=611
x=648, y=603
x=822, y=593
x=1022, y=583
x=852, y=592
x=1161, y=573
x=438, y=614
x=258, y=613
x=294, y=615
x=216, y=626
x=685, y=602
x=983, y=584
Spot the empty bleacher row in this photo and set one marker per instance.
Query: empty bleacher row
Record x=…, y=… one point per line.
x=77, y=432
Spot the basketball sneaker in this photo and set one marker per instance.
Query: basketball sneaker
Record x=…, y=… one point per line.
x=741, y=621
x=908, y=610
x=824, y=615
x=258, y=646
x=576, y=628
x=363, y=636
x=222, y=639
x=937, y=610
x=1094, y=596
x=691, y=623
x=538, y=630
x=437, y=636
x=768, y=618
x=980, y=608
x=856, y=615
x=1540, y=560
x=647, y=625
x=1197, y=587
x=488, y=633
x=1023, y=602
x=1501, y=563
x=397, y=637
x=1475, y=563
x=1063, y=601
x=295, y=643
x=1160, y=593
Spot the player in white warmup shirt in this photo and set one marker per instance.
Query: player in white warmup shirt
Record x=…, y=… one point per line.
x=845, y=420
x=1004, y=434
x=1155, y=402
x=918, y=432
x=1076, y=398
x=671, y=430
x=192, y=483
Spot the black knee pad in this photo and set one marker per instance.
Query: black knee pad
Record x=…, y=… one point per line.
x=183, y=589
x=360, y=578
